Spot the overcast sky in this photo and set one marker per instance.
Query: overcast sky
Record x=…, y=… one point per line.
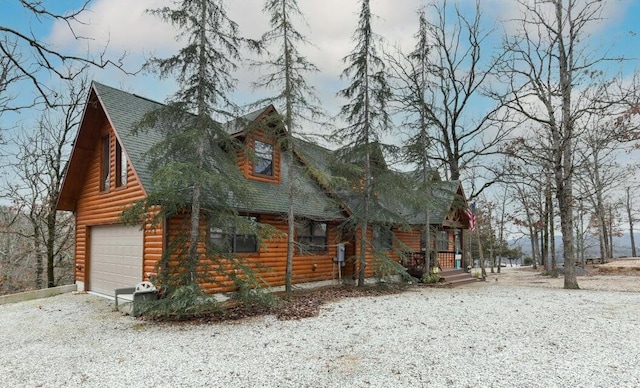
x=124, y=24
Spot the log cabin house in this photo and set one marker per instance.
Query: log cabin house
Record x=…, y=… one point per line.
x=107, y=172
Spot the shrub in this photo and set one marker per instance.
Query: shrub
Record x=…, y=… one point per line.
x=185, y=302
x=431, y=278
x=255, y=297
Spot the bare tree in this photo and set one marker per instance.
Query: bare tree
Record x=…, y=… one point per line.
x=30, y=58
x=598, y=173
x=553, y=75
x=8, y=75
x=501, y=224
x=16, y=262
x=37, y=179
x=527, y=217
x=458, y=72
x=528, y=162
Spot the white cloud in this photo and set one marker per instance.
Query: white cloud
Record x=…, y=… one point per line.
x=121, y=25
x=331, y=23
x=125, y=26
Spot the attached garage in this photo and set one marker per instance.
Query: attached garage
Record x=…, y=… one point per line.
x=115, y=258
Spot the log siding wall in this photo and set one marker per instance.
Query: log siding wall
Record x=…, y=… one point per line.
x=103, y=207
x=270, y=260
x=409, y=239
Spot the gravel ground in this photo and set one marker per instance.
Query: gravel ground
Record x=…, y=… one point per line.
x=514, y=332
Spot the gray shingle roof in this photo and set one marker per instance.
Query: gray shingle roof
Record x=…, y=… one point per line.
x=238, y=125
x=445, y=198
x=125, y=110
x=444, y=193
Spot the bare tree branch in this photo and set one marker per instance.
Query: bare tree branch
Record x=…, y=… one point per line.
x=29, y=58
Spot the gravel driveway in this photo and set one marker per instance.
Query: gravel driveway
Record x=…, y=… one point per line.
x=493, y=334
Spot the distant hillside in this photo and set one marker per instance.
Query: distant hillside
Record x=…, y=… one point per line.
x=621, y=246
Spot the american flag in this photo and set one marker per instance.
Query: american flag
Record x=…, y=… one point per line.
x=471, y=212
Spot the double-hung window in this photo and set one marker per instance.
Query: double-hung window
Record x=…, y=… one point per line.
x=233, y=239
x=263, y=164
x=105, y=163
x=442, y=240
x=312, y=236
x=121, y=166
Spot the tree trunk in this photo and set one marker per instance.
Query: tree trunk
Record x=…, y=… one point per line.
x=196, y=198
x=564, y=152
x=610, y=231
x=548, y=246
x=602, y=229
x=534, y=246
x=290, y=222
x=39, y=258
x=52, y=231
x=289, y=144
x=365, y=222
x=483, y=270
x=552, y=243
x=630, y=217
x=426, y=179
x=426, y=230
x=601, y=216
x=290, y=236
x=194, y=234
x=492, y=259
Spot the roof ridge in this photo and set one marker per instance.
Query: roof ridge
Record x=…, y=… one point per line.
x=148, y=99
x=100, y=84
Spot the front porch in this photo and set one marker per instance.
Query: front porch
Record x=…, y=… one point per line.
x=450, y=267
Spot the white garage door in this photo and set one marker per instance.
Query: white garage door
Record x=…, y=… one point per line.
x=116, y=258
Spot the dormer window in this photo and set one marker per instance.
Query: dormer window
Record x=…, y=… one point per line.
x=263, y=164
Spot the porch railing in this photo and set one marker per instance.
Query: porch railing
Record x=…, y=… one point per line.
x=415, y=261
x=447, y=259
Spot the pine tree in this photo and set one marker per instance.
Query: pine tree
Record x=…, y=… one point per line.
x=410, y=75
x=195, y=165
x=288, y=70
x=367, y=119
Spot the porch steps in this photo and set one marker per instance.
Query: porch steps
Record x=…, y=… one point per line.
x=456, y=277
